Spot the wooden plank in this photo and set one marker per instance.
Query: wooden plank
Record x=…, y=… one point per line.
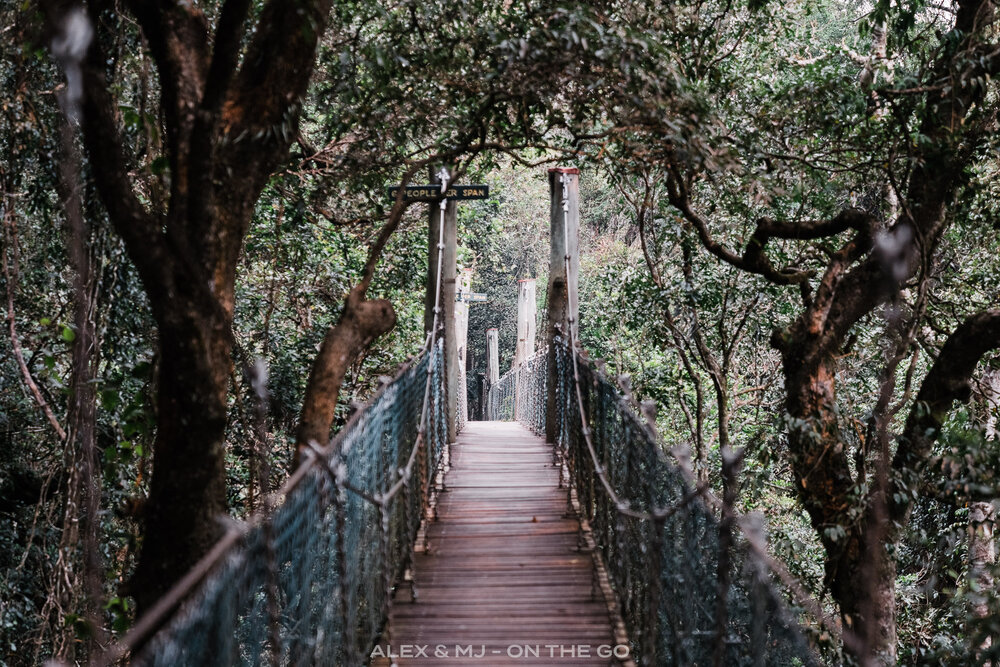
x=504, y=571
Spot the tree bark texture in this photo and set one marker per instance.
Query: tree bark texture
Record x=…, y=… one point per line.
x=856, y=538
x=857, y=519
x=228, y=125
x=361, y=322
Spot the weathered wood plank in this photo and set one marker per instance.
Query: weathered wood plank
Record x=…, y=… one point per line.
x=505, y=575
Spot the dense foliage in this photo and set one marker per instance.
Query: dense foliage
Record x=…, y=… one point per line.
x=790, y=239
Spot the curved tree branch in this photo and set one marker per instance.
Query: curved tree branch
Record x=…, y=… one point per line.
x=10, y=277
x=754, y=259
x=949, y=380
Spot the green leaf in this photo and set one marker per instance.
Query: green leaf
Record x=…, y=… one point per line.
x=68, y=334
x=110, y=398
x=159, y=165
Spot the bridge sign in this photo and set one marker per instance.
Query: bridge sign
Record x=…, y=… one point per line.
x=433, y=192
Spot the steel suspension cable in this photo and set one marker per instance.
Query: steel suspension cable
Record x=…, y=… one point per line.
x=699, y=490
x=622, y=506
x=290, y=582
x=407, y=472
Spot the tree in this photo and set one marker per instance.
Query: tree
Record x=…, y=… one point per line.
x=229, y=122
x=932, y=134
x=845, y=201
x=232, y=84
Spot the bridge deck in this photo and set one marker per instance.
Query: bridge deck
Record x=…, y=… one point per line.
x=504, y=579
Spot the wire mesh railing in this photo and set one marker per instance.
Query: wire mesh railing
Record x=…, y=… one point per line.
x=530, y=399
x=656, y=536
x=309, y=582
x=519, y=395
x=500, y=396
x=462, y=411
x=309, y=578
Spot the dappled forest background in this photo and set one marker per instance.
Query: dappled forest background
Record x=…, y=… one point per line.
x=790, y=244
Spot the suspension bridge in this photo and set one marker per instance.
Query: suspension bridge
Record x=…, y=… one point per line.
x=555, y=531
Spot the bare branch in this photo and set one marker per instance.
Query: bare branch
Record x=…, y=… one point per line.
x=948, y=380
x=10, y=278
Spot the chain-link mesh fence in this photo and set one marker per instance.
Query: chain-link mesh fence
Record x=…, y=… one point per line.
x=309, y=582
x=500, y=397
x=520, y=394
x=530, y=399
x=656, y=536
x=462, y=413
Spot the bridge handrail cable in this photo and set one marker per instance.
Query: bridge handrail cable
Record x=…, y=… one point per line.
x=305, y=579
x=687, y=597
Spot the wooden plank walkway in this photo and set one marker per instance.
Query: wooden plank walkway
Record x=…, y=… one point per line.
x=504, y=582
